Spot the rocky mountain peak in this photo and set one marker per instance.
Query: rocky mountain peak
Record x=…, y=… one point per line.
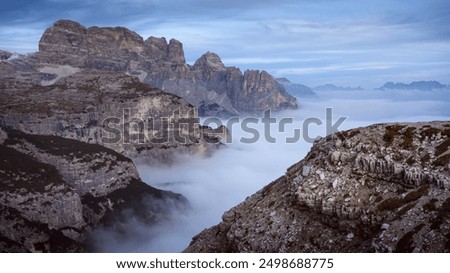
x=157, y=49
x=256, y=81
x=210, y=60
x=62, y=173
x=160, y=43
x=175, y=52
x=162, y=64
x=103, y=48
x=69, y=25
x=64, y=43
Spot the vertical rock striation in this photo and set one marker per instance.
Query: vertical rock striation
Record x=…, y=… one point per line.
x=207, y=84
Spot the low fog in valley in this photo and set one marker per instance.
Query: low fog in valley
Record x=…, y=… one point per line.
x=214, y=185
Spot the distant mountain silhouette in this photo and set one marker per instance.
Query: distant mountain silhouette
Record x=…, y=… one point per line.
x=416, y=85
x=332, y=87
x=296, y=89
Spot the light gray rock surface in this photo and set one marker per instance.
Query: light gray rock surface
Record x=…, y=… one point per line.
x=87, y=105
x=53, y=190
x=382, y=188
x=71, y=123
x=208, y=84
x=71, y=127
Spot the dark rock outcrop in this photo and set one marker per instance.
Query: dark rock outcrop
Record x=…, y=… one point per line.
x=163, y=65
x=53, y=190
x=5, y=55
x=382, y=188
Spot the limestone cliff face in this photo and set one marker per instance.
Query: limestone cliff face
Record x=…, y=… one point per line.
x=53, y=190
x=70, y=43
x=107, y=108
x=162, y=64
x=381, y=188
x=256, y=88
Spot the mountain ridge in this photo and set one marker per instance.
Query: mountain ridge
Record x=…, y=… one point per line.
x=297, y=89
x=162, y=64
x=332, y=87
x=415, y=85
x=63, y=175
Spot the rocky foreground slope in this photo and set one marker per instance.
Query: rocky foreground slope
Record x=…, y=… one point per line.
x=53, y=190
x=382, y=188
x=208, y=84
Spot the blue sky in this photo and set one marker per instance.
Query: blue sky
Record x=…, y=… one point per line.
x=349, y=43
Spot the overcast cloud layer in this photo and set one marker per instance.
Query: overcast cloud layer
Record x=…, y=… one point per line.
x=309, y=41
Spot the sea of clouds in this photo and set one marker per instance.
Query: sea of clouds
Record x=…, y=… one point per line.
x=214, y=185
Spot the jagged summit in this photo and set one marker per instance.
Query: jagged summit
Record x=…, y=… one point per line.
x=63, y=174
x=70, y=43
x=68, y=24
x=163, y=65
x=159, y=49
x=210, y=60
